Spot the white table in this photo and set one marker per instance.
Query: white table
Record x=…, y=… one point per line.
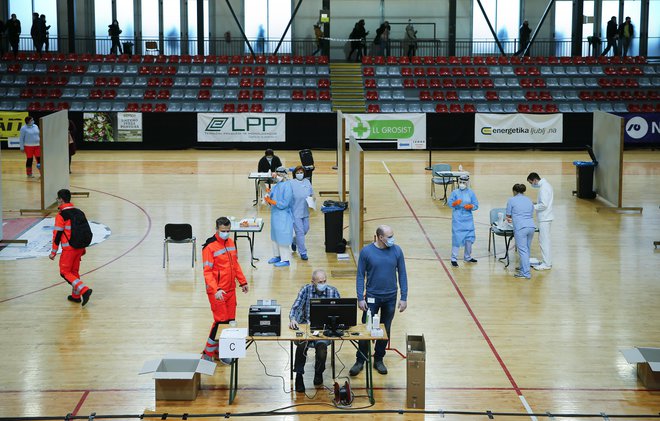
x=256, y=225
x=257, y=177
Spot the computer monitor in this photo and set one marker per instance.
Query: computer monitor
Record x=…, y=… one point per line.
x=332, y=314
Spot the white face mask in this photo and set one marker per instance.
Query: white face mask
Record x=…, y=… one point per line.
x=30, y=124
x=462, y=186
x=223, y=234
x=279, y=178
x=300, y=176
x=269, y=159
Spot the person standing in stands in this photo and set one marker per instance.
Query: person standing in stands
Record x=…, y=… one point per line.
x=114, y=31
x=612, y=34
x=318, y=35
x=221, y=272
x=29, y=141
x=626, y=34
x=14, y=33
x=523, y=35
x=358, y=40
x=35, y=32
x=410, y=40
x=43, y=30
x=71, y=256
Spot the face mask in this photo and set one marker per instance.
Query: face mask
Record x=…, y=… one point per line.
x=462, y=186
x=279, y=178
x=223, y=234
x=321, y=287
x=269, y=159
x=300, y=176
x=30, y=124
x=389, y=242
x=536, y=186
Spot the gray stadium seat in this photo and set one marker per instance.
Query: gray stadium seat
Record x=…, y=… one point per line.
x=584, y=70
x=21, y=105
x=192, y=81
x=270, y=94
x=201, y=106
x=231, y=94
x=106, y=68
x=137, y=93
x=125, y=80
x=591, y=107
x=20, y=80
x=510, y=108
x=140, y=81
x=82, y=93
x=482, y=108
x=505, y=95
x=546, y=70
x=512, y=82
x=270, y=107
x=558, y=70
x=284, y=94
x=565, y=108
x=119, y=68
x=174, y=106
x=577, y=107
x=87, y=81
x=496, y=108
x=215, y=107
x=271, y=82
x=284, y=82
x=387, y=108
x=123, y=93
x=578, y=82
x=380, y=71
x=297, y=70
x=188, y=107
x=310, y=83
x=644, y=82
x=68, y=92
x=499, y=82
x=383, y=83
x=183, y=69
x=7, y=79
x=325, y=108
x=285, y=70
x=428, y=108
x=195, y=69
x=565, y=82
x=13, y=92
x=464, y=95
x=76, y=106
x=400, y=108
x=90, y=106
x=495, y=70
x=649, y=70
x=571, y=70
x=217, y=94
x=232, y=82
x=518, y=95
x=297, y=107
x=323, y=70
x=311, y=108
x=597, y=70
x=591, y=82
x=219, y=82
x=620, y=108
x=40, y=68
x=398, y=95
x=571, y=95
x=221, y=70
x=396, y=83
x=606, y=107
x=310, y=70
x=297, y=82
x=272, y=70
x=283, y=108
x=118, y=106
x=93, y=68
x=478, y=95
x=208, y=70
x=557, y=95
x=385, y=95
x=176, y=94
x=414, y=108
x=552, y=82
x=105, y=106
x=507, y=71
x=131, y=68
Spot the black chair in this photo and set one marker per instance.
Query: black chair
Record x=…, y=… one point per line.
x=177, y=234
x=307, y=161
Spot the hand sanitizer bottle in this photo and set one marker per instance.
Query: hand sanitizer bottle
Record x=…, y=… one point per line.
x=460, y=167
x=375, y=324
x=369, y=319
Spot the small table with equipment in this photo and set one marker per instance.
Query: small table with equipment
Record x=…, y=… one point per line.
x=247, y=227
x=507, y=233
x=352, y=335
x=258, y=177
x=452, y=176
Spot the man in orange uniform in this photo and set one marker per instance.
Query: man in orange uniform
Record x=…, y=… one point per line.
x=221, y=271
x=70, y=258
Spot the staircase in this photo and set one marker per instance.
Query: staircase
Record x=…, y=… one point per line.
x=347, y=88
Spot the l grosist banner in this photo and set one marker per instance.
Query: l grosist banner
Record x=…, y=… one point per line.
x=241, y=127
x=408, y=130
x=518, y=128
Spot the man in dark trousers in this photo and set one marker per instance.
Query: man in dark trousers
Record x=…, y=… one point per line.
x=626, y=34
x=523, y=35
x=14, y=33
x=612, y=34
x=268, y=163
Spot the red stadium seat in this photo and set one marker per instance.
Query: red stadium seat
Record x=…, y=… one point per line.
x=132, y=107
x=470, y=71
x=431, y=71
x=523, y=108
x=63, y=105
x=539, y=83
x=406, y=72
x=297, y=94
x=325, y=83
x=160, y=108
x=257, y=94
x=371, y=95
x=234, y=71
x=425, y=96
x=435, y=83
x=109, y=94
x=441, y=108
x=205, y=94
x=634, y=108
x=164, y=94
x=146, y=108
x=229, y=108
x=310, y=95
x=258, y=82
x=487, y=83
x=551, y=108
x=324, y=96
x=492, y=96
x=447, y=83
x=585, y=96
x=246, y=71
x=460, y=83
x=373, y=108
x=531, y=96
x=421, y=83
x=457, y=71
x=368, y=83
x=455, y=108
x=469, y=108
x=245, y=82
x=150, y=94
x=95, y=94
x=206, y=82
x=451, y=96
x=368, y=71
x=153, y=81
x=256, y=108
x=438, y=96
x=243, y=108
x=259, y=71
x=408, y=83
x=244, y=95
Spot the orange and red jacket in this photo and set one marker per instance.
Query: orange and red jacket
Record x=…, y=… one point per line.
x=62, y=230
x=221, y=268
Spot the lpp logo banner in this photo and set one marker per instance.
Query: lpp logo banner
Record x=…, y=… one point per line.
x=641, y=128
x=407, y=130
x=518, y=128
x=241, y=127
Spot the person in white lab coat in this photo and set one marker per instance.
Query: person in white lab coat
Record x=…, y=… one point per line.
x=545, y=216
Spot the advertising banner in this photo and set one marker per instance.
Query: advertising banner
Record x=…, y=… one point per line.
x=11, y=123
x=518, y=128
x=640, y=129
x=129, y=127
x=242, y=127
x=407, y=130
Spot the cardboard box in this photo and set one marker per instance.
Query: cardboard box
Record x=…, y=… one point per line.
x=416, y=372
x=232, y=342
x=178, y=376
x=648, y=365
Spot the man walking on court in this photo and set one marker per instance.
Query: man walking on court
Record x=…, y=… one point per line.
x=221, y=271
x=544, y=214
x=381, y=262
x=70, y=234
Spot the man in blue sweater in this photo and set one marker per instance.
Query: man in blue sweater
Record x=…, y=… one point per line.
x=380, y=261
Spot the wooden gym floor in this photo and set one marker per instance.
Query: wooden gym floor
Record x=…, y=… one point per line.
x=493, y=342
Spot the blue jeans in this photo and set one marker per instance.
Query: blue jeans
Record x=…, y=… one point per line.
x=523, y=238
x=387, y=308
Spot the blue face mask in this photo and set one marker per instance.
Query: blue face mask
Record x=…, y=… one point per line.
x=223, y=234
x=321, y=287
x=389, y=242
x=536, y=186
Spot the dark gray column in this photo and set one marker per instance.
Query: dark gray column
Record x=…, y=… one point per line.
x=576, y=41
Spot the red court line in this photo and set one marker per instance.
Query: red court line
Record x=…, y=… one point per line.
x=80, y=403
x=107, y=263
x=459, y=292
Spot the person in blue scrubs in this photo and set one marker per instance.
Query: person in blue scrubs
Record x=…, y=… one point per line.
x=520, y=212
x=280, y=200
x=463, y=202
x=302, y=189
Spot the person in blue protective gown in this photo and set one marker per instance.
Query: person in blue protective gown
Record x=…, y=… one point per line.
x=280, y=200
x=302, y=189
x=520, y=212
x=463, y=202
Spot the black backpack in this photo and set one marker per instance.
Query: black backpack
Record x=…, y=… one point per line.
x=81, y=232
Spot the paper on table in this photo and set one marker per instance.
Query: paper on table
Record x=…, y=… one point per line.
x=311, y=202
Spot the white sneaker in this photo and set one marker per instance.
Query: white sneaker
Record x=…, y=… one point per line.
x=542, y=266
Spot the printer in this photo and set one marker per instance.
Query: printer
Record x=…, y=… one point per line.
x=264, y=319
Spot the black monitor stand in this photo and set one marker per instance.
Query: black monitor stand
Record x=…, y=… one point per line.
x=333, y=331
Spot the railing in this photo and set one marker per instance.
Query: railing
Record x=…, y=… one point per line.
x=220, y=46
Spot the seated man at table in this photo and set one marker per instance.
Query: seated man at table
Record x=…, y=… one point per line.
x=268, y=163
x=318, y=288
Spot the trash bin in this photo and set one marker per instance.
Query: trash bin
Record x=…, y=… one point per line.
x=128, y=48
x=584, y=179
x=334, y=225
x=415, y=371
